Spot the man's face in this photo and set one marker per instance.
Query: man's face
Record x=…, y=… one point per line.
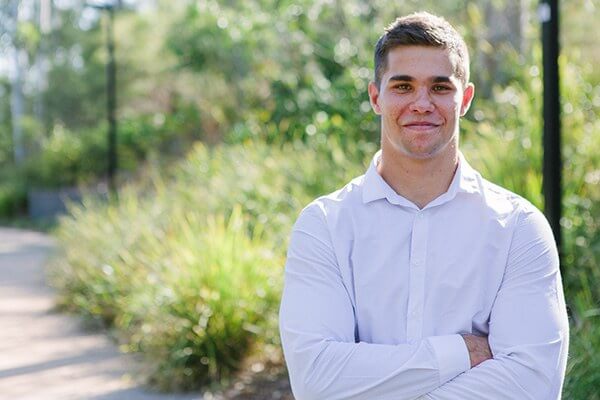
x=420, y=100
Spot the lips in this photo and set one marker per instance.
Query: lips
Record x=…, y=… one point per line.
x=421, y=125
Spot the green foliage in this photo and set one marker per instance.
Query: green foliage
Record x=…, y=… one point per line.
x=72, y=158
x=75, y=92
x=583, y=369
x=271, y=184
x=28, y=37
x=13, y=195
x=204, y=302
x=581, y=222
x=502, y=135
x=187, y=265
x=289, y=75
x=66, y=159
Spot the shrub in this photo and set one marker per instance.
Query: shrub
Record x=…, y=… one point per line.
x=201, y=307
x=187, y=265
x=13, y=195
x=67, y=158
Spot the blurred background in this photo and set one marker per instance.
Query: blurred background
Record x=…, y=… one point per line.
x=232, y=115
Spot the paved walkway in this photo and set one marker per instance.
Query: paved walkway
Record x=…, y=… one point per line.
x=45, y=354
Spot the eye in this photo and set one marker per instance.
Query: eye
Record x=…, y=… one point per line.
x=403, y=87
x=441, y=88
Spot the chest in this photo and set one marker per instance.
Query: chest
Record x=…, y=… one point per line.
x=424, y=275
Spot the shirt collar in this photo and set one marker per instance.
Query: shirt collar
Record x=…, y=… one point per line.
x=375, y=187
x=467, y=177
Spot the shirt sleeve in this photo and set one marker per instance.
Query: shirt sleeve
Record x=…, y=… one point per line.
x=529, y=331
x=317, y=327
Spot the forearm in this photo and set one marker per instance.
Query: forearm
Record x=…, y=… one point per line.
x=529, y=331
x=337, y=370
x=504, y=377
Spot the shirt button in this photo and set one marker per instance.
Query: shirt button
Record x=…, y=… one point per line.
x=416, y=263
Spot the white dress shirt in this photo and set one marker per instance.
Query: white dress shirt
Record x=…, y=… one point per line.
x=378, y=290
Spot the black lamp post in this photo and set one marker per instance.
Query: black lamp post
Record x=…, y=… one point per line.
x=111, y=95
x=549, y=17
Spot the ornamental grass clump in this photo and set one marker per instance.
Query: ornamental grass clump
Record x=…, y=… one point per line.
x=93, y=271
x=194, y=293
x=207, y=302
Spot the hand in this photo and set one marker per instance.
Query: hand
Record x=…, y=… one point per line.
x=479, y=348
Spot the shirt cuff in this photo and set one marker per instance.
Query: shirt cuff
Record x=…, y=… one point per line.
x=452, y=356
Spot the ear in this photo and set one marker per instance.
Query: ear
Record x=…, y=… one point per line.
x=467, y=98
x=374, y=97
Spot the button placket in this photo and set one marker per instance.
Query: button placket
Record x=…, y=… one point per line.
x=416, y=296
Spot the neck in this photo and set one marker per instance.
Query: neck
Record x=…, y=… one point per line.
x=418, y=180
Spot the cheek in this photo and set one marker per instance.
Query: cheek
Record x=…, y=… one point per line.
x=391, y=111
x=457, y=105
x=451, y=110
x=393, y=104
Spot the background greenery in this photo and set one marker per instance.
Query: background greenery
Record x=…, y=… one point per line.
x=233, y=115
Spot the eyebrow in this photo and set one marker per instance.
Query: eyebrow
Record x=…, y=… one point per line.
x=408, y=78
x=405, y=78
x=442, y=79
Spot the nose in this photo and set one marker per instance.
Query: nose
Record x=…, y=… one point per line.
x=422, y=102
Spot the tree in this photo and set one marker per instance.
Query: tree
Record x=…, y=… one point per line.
x=10, y=18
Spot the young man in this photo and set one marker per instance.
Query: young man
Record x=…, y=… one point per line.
x=420, y=279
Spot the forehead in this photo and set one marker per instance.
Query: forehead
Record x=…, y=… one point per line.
x=420, y=62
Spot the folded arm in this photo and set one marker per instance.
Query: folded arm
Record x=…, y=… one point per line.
x=528, y=325
x=318, y=334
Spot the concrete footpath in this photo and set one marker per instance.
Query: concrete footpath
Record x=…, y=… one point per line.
x=45, y=354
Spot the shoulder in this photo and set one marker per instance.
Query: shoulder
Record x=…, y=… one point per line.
x=529, y=223
x=504, y=202
x=317, y=225
x=329, y=207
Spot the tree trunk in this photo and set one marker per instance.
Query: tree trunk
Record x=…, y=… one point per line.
x=16, y=93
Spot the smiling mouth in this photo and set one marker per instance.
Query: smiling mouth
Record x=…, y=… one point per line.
x=421, y=126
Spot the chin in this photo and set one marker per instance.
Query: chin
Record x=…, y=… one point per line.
x=426, y=153
x=423, y=155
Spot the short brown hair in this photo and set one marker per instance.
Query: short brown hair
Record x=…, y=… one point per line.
x=422, y=29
